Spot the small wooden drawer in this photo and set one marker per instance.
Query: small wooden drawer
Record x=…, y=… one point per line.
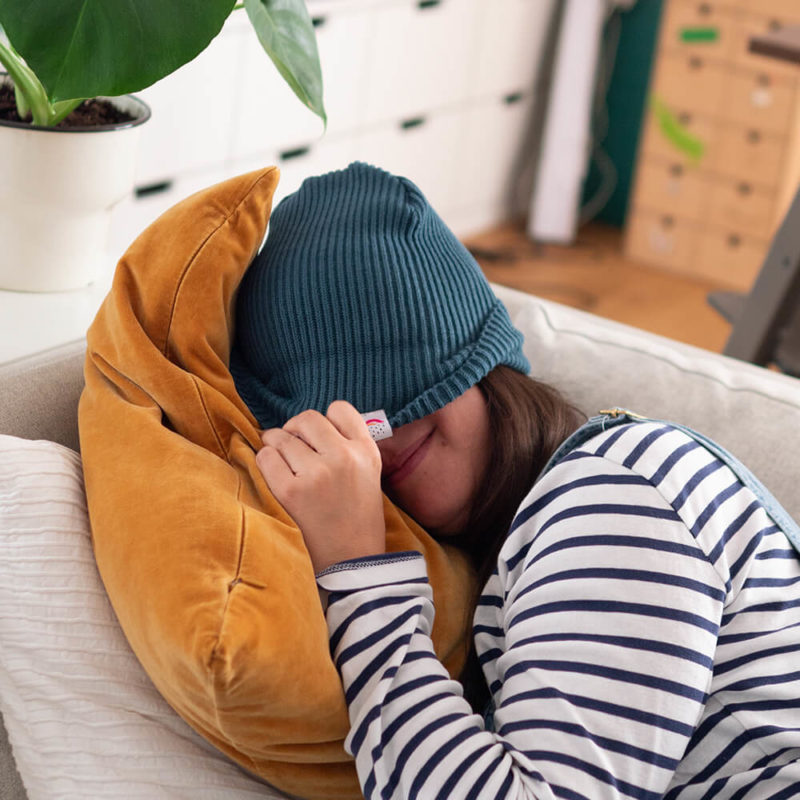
x=742, y=205
x=692, y=82
x=679, y=135
x=660, y=240
x=749, y=25
x=749, y=154
x=729, y=257
x=670, y=187
x=790, y=9
x=701, y=26
x=761, y=99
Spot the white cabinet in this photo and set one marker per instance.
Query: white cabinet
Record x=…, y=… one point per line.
x=421, y=57
x=193, y=112
x=418, y=87
x=509, y=54
x=498, y=145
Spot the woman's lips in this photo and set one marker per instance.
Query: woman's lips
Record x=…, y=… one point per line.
x=408, y=461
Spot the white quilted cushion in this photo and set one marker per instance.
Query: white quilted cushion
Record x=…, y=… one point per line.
x=82, y=717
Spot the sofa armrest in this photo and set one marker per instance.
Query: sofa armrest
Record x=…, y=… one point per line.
x=39, y=394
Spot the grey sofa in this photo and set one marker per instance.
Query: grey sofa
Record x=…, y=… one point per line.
x=599, y=364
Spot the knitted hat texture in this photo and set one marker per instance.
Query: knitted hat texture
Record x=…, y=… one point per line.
x=362, y=293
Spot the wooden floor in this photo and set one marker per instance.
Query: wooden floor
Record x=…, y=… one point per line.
x=593, y=275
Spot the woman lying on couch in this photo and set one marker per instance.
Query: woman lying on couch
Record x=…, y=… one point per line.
x=638, y=629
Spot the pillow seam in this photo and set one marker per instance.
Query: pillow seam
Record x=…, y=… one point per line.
x=168, y=333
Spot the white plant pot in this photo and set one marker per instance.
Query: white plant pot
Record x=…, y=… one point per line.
x=57, y=190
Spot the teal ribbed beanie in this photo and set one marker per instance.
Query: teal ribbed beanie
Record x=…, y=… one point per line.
x=362, y=293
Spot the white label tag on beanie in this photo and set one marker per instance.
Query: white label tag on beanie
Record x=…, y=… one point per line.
x=378, y=424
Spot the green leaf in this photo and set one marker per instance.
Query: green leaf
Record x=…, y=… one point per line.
x=286, y=33
x=85, y=48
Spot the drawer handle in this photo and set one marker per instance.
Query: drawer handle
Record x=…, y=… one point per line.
x=704, y=9
x=414, y=122
x=696, y=35
x=734, y=240
x=667, y=220
x=754, y=137
x=744, y=188
x=676, y=170
x=152, y=188
x=775, y=25
x=695, y=62
x=318, y=22
x=297, y=152
x=514, y=97
x=423, y=4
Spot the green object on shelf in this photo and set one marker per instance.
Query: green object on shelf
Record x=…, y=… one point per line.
x=698, y=35
x=675, y=132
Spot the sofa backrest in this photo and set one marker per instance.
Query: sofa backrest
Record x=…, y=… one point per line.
x=754, y=412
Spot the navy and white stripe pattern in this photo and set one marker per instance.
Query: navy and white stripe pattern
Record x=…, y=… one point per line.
x=640, y=637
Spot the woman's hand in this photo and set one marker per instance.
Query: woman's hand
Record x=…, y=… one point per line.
x=326, y=472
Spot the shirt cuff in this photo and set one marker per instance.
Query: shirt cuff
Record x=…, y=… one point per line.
x=379, y=570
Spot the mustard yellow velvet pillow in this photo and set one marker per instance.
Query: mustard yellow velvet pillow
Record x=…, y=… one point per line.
x=207, y=574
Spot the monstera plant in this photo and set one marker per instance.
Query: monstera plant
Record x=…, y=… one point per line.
x=60, y=178
x=61, y=53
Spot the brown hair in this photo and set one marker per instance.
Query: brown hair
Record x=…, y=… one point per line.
x=528, y=419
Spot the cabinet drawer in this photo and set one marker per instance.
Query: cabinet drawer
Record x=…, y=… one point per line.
x=750, y=154
x=728, y=256
x=749, y=25
x=698, y=25
x=421, y=57
x=759, y=99
x=660, y=240
x=692, y=82
x=790, y=9
x=742, y=205
x=504, y=63
x=672, y=188
x=679, y=135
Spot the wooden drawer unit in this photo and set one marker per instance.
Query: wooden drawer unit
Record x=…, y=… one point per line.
x=699, y=25
x=749, y=153
x=742, y=205
x=759, y=99
x=730, y=257
x=661, y=240
x=716, y=154
x=693, y=82
x=672, y=188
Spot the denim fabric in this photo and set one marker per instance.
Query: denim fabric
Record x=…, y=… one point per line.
x=621, y=416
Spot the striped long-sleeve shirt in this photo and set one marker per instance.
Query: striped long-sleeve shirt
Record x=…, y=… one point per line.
x=640, y=638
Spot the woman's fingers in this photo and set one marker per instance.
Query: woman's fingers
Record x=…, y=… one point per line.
x=348, y=421
x=315, y=430
x=295, y=451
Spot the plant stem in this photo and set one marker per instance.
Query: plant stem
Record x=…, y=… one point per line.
x=27, y=85
x=30, y=95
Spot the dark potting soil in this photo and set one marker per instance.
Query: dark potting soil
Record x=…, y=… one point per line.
x=89, y=113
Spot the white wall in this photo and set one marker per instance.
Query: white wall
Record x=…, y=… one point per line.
x=442, y=92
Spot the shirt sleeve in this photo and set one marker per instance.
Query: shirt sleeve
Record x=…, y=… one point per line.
x=599, y=628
